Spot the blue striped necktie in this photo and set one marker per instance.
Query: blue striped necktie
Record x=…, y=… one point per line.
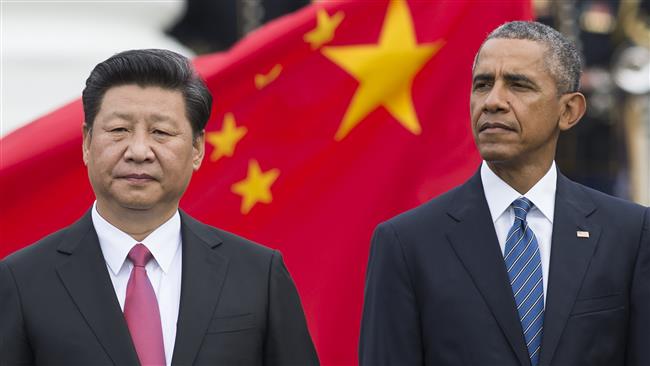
x=524, y=266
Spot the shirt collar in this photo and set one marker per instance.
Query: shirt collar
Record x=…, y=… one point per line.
x=116, y=244
x=499, y=195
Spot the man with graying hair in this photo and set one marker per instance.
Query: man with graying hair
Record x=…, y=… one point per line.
x=519, y=265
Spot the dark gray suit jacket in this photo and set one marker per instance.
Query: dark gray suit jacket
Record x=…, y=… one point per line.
x=437, y=290
x=238, y=304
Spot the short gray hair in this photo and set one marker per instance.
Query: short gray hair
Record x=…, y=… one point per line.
x=564, y=60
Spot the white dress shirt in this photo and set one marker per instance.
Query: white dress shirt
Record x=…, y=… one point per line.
x=164, y=270
x=500, y=195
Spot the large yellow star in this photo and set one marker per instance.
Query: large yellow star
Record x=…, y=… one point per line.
x=256, y=187
x=225, y=140
x=385, y=71
x=325, y=28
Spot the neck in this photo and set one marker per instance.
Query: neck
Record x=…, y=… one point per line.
x=520, y=177
x=138, y=224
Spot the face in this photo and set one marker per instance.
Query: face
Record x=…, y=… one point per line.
x=516, y=111
x=140, y=152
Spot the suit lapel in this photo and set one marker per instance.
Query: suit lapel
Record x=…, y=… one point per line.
x=475, y=242
x=203, y=274
x=570, y=257
x=86, y=279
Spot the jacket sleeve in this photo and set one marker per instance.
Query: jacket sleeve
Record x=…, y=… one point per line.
x=14, y=346
x=287, y=338
x=390, y=327
x=639, y=323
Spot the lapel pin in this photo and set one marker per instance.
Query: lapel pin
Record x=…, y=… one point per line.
x=582, y=234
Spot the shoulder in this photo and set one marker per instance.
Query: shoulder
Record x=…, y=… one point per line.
x=620, y=217
x=421, y=229
x=432, y=212
x=605, y=206
x=246, y=261
x=34, y=267
x=44, y=252
x=228, y=243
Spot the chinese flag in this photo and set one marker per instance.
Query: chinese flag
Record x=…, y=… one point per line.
x=325, y=123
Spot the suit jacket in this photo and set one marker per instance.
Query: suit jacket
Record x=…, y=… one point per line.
x=437, y=290
x=238, y=304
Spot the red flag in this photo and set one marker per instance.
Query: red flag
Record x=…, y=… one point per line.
x=326, y=122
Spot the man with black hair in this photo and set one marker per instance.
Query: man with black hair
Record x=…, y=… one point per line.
x=136, y=280
x=519, y=265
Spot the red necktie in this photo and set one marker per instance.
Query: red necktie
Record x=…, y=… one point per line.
x=141, y=310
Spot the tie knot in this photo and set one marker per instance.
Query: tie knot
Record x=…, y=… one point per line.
x=139, y=255
x=522, y=206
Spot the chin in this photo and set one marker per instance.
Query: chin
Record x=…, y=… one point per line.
x=136, y=203
x=495, y=155
x=137, y=206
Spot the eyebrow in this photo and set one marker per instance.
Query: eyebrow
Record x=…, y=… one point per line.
x=160, y=118
x=125, y=116
x=509, y=77
x=129, y=117
x=519, y=78
x=483, y=77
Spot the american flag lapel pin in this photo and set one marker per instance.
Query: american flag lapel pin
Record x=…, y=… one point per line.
x=582, y=234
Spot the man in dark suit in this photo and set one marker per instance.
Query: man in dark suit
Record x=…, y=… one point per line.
x=519, y=265
x=136, y=280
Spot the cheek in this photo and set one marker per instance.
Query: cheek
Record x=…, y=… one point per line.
x=546, y=116
x=177, y=159
x=103, y=158
x=475, y=107
x=543, y=108
x=472, y=105
x=474, y=115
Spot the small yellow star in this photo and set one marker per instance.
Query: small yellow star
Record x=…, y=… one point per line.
x=262, y=80
x=325, y=28
x=385, y=71
x=225, y=140
x=256, y=187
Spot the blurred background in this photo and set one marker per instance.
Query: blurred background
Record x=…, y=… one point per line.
x=610, y=149
x=48, y=47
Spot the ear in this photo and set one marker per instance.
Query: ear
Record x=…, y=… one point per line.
x=573, y=107
x=198, y=150
x=85, y=146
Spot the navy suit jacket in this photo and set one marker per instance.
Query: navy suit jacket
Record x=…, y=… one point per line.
x=238, y=304
x=437, y=290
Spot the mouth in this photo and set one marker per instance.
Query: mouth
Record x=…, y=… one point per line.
x=137, y=178
x=495, y=127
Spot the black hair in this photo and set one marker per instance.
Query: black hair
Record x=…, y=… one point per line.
x=149, y=67
x=564, y=60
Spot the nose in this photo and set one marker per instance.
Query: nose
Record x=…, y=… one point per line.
x=497, y=100
x=139, y=148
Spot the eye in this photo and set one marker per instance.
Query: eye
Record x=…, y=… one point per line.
x=480, y=85
x=521, y=86
x=160, y=132
x=118, y=129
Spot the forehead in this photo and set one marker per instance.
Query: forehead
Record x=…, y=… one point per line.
x=520, y=56
x=142, y=101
